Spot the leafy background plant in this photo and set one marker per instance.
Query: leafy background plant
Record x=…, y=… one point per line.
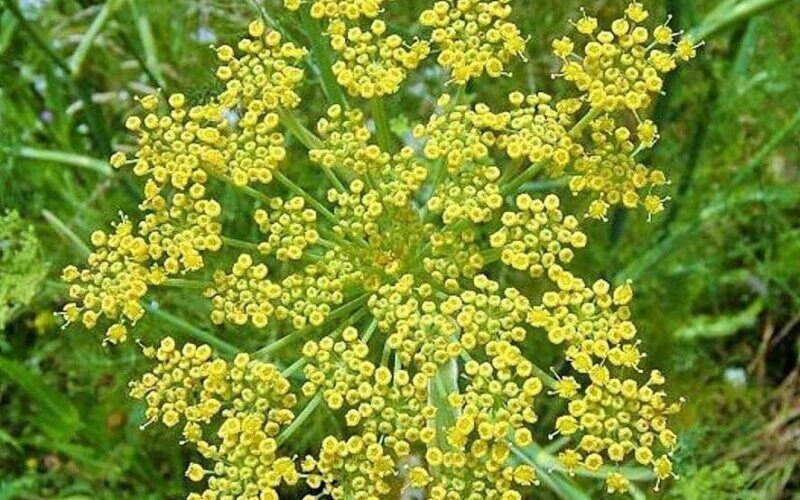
x=718, y=280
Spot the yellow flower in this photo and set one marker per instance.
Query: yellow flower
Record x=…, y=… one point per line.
x=474, y=37
x=623, y=68
x=371, y=62
x=398, y=277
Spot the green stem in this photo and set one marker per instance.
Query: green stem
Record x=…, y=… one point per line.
x=442, y=385
x=370, y=331
x=548, y=380
x=537, y=454
x=310, y=141
x=461, y=95
x=282, y=342
x=292, y=369
x=387, y=351
x=192, y=330
x=345, y=309
x=491, y=255
x=300, y=419
x=528, y=174
x=322, y=55
x=300, y=131
x=381, y=120
x=256, y=195
x=584, y=122
x=560, y=485
x=534, y=168
x=327, y=244
x=545, y=185
x=65, y=231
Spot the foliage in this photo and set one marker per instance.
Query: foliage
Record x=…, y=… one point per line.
x=22, y=268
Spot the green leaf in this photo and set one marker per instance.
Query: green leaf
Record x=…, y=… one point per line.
x=720, y=326
x=56, y=415
x=22, y=270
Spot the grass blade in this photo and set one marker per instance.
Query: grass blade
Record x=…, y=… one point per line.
x=88, y=39
x=71, y=159
x=57, y=416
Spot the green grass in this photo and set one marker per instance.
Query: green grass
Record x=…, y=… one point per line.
x=718, y=281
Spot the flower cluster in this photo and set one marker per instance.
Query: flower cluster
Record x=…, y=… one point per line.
x=538, y=236
x=595, y=323
x=617, y=420
x=338, y=369
x=455, y=134
x=406, y=283
x=621, y=68
x=264, y=77
x=397, y=410
x=334, y=9
x=346, y=143
x=250, y=401
x=372, y=63
x=421, y=331
x=116, y=279
x=357, y=467
x=474, y=37
x=535, y=130
x=610, y=170
x=245, y=295
x=495, y=412
x=290, y=228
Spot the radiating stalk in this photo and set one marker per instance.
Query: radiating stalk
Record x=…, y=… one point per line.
x=584, y=122
x=528, y=174
x=561, y=486
x=370, y=331
x=310, y=141
x=300, y=419
x=292, y=369
x=242, y=245
x=202, y=335
x=303, y=134
x=282, y=342
x=535, y=168
x=381, y=121
x=294, y=188
x=185, y=283
x=322, y=54
x=335, y=314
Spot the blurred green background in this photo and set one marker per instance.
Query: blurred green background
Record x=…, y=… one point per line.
x=717, y=276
